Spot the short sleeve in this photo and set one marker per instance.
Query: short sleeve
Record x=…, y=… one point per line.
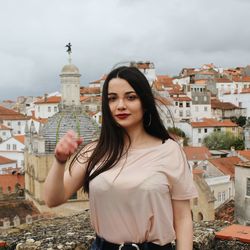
x=180, y=176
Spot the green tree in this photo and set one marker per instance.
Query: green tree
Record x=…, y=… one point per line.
x=223, y=140
x=241, y=121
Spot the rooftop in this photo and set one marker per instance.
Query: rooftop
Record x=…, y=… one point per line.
x=226, y=165
x=197, y=153
x=209, y=122
x=235, y=232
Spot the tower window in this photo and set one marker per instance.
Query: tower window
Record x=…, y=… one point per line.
x=248, y=187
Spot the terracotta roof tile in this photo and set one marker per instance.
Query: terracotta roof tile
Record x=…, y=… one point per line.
x=196, y=153
x=226, y=165
x=20, y=138
x=9, y=114
x=163, y=82
x=217, y=104
x=182, y=99
x=51, y=99
x=176, y=90
x=235, y=232
x=4, y=160
x=244, y=153
x=241, y=79
x=208, y=122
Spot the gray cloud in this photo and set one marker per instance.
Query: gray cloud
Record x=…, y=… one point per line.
x=172, y=34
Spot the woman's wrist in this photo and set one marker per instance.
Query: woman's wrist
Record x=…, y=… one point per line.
x=59, y=160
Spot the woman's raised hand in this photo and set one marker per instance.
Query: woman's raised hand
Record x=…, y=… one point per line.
x=67, y=146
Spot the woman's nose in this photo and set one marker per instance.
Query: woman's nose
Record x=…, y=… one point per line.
x=121, y=104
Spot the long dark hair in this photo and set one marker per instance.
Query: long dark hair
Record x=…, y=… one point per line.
x=110, y=146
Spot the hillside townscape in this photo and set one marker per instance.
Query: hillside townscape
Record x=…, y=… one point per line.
x=206, y=109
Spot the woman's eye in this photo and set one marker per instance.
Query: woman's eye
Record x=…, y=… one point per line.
x=112, y=98
x=132, y=97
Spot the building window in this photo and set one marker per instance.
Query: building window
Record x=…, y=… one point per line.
x=55, y=109
x=9, y=123
x=18, y=123
x=223, y=196
x=8, y=146
x=49, y=109
x=176, y=103
x=205, y=98
x=217, y=129
x=199, y=130
x=199, y=140
x=205, y=108
x=4, y=133
x=181, y=113
x=19, y=132
x=219, y=196
x=181, y=104
x=196, y=98
x=188, y=113
x=187, y=104
x=14, y=146
x=248, y=186
x=205, y=130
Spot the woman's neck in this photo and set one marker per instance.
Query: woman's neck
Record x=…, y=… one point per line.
x=140, y=138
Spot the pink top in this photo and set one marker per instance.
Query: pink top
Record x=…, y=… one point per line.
x=132, y=201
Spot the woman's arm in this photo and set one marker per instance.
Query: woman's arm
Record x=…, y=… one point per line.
x=60, y=184
x=183, y=224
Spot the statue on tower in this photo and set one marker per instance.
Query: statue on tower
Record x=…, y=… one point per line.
x=69, y=48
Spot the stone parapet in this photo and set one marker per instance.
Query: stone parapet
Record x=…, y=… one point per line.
x=75, y=233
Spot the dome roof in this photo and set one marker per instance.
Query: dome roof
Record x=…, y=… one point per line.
x=70, y=69
x=63, y=121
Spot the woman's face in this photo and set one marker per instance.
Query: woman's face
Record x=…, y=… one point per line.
x=125, y=105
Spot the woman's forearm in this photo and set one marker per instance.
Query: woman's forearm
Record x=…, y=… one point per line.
x=54, y=193
x=184, y=234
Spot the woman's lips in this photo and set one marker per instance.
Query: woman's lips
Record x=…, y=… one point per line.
x=122, y=116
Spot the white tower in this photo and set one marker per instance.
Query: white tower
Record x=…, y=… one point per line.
x=246, y=130
x=70, y=84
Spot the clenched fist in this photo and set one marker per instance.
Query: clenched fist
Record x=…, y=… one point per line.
x=67, y=146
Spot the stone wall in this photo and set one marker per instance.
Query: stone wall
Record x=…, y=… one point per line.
x=74, y=232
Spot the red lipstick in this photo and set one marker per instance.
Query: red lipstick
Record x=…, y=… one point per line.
x=122, y=116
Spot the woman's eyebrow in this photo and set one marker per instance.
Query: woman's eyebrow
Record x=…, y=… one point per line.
x=126, y=93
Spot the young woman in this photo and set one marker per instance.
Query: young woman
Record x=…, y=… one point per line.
x=137, y=177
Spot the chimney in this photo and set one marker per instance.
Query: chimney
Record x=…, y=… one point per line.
x=45, y=97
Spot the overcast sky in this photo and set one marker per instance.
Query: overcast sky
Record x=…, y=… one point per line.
x=171, y=33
